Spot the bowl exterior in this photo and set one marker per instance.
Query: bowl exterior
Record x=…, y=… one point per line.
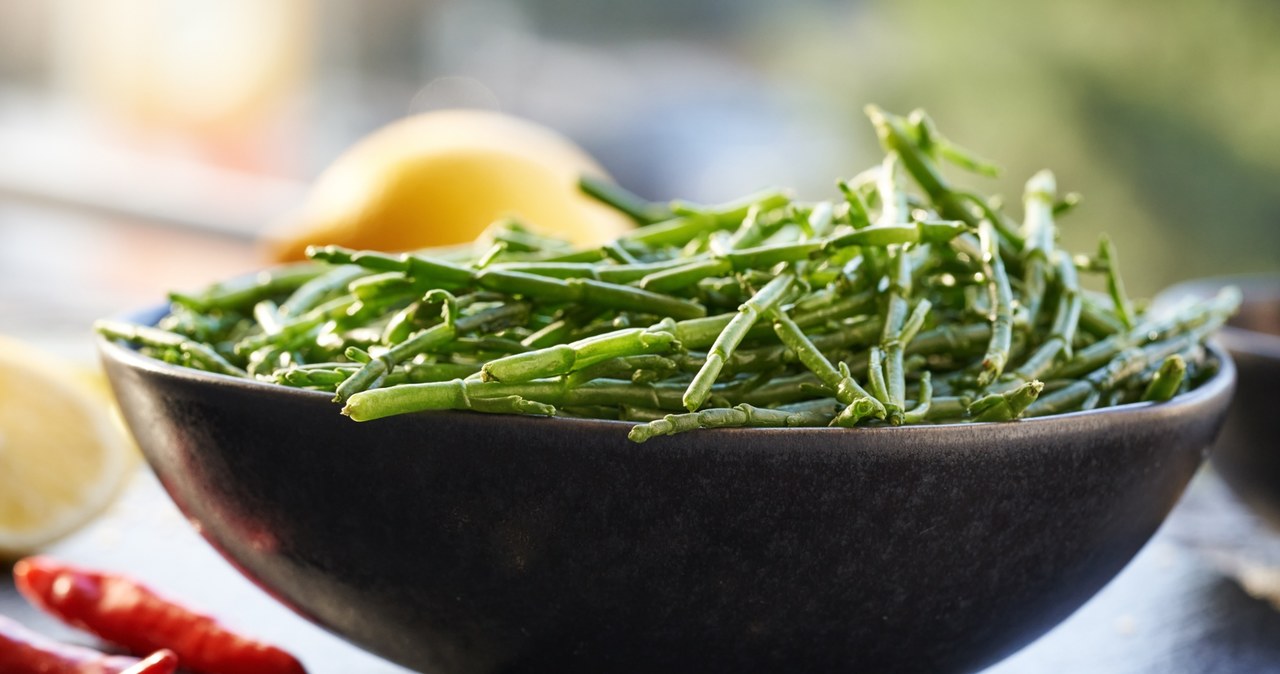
x=1248, y=454
x=465, y=543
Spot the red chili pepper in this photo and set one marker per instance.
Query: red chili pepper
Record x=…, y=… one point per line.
x=25, y=652
x=122, y=611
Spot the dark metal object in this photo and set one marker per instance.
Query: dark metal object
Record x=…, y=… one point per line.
x=457, y=542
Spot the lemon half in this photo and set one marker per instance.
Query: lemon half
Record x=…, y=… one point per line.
x=63, y=454
x=441, y=178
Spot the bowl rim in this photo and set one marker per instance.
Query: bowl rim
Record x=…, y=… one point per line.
x=1221, y=383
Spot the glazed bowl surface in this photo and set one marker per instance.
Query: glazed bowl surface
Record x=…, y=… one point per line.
x=461, y=543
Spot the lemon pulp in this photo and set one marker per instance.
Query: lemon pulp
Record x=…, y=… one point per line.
x=63, y=455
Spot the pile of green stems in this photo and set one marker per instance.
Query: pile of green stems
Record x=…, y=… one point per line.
x=907, y=300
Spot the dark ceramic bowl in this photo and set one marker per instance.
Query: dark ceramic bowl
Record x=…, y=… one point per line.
x=1248, y=453
x=462, y=543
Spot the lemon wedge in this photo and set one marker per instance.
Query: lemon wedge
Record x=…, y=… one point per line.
x=63, y=453
x=441, y=178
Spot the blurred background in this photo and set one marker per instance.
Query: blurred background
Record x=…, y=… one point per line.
x=144, y=143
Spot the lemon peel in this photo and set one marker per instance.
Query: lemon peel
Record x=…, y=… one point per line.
x=440, y=178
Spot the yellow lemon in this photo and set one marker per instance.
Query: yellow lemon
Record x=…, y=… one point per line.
x=63, y=453
x=440, y=178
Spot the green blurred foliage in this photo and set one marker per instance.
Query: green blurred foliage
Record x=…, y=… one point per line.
x=1164, y=114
